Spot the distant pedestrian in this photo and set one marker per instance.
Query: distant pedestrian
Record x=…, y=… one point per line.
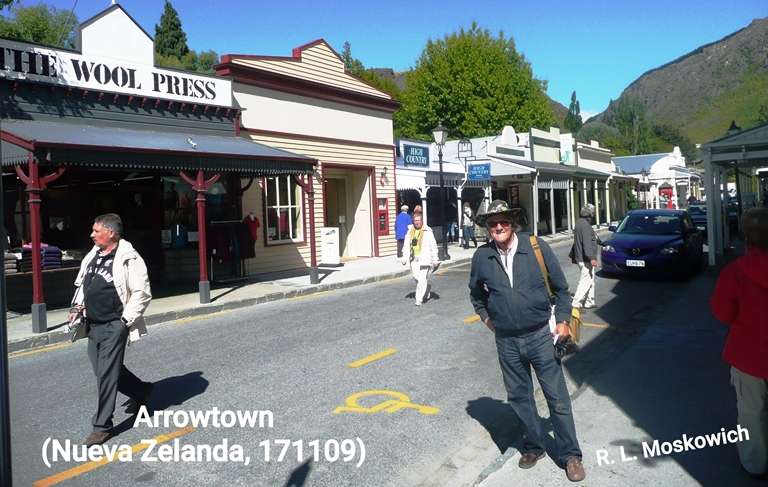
x=113, y=289
x=468, y=226
x=401, y=228
x=584, y=254
x=421, y=254
x=508, y=291
x=417, y=209
x=739, y=301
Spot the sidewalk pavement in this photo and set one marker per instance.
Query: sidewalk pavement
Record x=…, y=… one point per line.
x=265, y=288
x=664, y=381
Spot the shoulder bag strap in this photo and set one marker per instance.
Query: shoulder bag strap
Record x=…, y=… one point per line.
x=540, y=260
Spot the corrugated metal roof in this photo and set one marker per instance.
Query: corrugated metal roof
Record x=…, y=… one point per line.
x=117, y=147
x=635, y=164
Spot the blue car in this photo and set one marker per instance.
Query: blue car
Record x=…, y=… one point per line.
x=664, y=241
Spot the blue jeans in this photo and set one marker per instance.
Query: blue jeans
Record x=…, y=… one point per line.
x=516, y=356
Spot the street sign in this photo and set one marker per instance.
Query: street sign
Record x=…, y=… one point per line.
x=414, y=155
x=479, y=172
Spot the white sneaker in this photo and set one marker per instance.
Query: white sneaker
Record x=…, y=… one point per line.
x=418, y=303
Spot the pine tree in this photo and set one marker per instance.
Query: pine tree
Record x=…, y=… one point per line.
x=573, y=120
x=170, y=39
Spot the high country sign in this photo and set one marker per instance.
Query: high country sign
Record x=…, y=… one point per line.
x=27, y=62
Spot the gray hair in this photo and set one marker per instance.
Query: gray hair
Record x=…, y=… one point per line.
x=587, y=210
x=754, y=225
x=112, y=222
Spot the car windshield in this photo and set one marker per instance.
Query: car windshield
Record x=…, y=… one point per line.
x=697, y=210
x=650, y=224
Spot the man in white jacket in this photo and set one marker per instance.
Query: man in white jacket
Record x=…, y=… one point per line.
x=113, y=288
x=421, y=252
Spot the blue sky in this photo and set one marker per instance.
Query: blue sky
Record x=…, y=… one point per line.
x=594, y=47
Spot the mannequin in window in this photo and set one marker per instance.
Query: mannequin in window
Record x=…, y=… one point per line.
x=252, y=222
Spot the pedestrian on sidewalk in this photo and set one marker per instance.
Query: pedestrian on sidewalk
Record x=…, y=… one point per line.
x=507, y=290
x=584, y=254
x=421, y=254
x=739, y=301
x=468, y=226
x=401, y=228
x=113, y=289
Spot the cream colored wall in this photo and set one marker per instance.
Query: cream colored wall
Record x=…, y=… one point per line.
x=319, y=64
x=546, y=154
x=116, y=36
x=595, y=165
x=342, y=154
x=284, y=112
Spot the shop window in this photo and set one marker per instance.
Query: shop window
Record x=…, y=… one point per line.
x=284, y=215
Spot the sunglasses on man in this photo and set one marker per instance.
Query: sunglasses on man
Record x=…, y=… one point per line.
x=503, y=223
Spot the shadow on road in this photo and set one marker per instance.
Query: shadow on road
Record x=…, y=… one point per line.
x=299, y=476
x=499, y=419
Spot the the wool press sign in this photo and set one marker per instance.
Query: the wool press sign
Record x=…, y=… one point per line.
x=28, y=62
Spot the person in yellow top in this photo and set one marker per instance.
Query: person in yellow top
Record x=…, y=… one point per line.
x=420, y=251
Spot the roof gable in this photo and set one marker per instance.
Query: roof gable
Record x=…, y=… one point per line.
x=315, y=62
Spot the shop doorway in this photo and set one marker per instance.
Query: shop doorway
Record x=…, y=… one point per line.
x=348, y=207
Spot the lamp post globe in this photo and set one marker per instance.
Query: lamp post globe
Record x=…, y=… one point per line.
x=440, y=134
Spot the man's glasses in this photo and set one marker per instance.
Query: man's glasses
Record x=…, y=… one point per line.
x=504, y=224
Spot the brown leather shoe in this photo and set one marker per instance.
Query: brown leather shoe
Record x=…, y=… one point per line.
x=528, y=460
x=574, y=470
x=97, y=438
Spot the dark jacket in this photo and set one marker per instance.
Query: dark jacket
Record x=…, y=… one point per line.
x=526, y=306
x=585, y=242
x=739, y=297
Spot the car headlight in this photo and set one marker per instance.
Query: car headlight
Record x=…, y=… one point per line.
x=670, y=250
x=608, y=248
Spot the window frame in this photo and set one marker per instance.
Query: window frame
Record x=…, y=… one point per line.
x=300, y=205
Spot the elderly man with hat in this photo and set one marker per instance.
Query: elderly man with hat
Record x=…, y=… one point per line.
x=584, y=253
x=401, y=228
x=508, y=291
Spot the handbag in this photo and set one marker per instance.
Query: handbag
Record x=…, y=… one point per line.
x=574, y=325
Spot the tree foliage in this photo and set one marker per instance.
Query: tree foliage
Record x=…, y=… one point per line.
x=170, y=38
x=41, y=24
x=7, y=3
x=573, y=121
x=762, y=114
x=629, y=117
x=355, y=67
x=475, y=83
x=674, y=136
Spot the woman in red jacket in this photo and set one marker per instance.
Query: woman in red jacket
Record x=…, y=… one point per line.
x=739, y=300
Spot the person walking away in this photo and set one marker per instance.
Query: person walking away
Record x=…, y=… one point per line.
x=584, y=254
x=421, y=254
x=739, y=301
x=113, y=289
x=468, y=226
x=507, y=290
x=401, y=228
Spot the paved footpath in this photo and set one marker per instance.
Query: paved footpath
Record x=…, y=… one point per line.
x=666, y=380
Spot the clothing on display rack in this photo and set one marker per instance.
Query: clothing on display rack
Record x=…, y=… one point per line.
x=252, y=222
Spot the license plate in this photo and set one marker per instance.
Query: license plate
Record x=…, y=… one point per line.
x=635, y=263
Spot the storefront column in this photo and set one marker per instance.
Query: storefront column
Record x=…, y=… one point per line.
x=552, y=225
x=424, y=205
x=675, y=203
x=35, y=185
x=584, y=194
x=535, y=216
x=607, y=201
x=309, y=190
x=709, y=188
x=569, y=207
x=201, y=186
x=597, y=204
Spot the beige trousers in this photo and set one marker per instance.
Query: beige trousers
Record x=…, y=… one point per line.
x=421, y=275
x=752, y=407
x=585, y=291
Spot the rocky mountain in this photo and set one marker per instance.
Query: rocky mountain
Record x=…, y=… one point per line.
x=702, y=91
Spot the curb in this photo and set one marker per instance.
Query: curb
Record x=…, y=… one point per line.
x=54, y=337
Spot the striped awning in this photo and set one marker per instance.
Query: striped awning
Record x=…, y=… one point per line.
x=117, y=147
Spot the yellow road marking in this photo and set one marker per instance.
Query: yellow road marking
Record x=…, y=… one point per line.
x=47, y=348
x=371, y=358
x=308, y=296
x=471, y=319
x=87, y=467
x=189, y=319
x=595, y=325
x=400, y=401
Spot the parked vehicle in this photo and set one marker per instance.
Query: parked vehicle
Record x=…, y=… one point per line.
x=698, y=213
x=665, y=241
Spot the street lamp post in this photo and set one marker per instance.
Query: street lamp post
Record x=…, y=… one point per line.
x=440, y=133
x=5, y=422
x=644, y=181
